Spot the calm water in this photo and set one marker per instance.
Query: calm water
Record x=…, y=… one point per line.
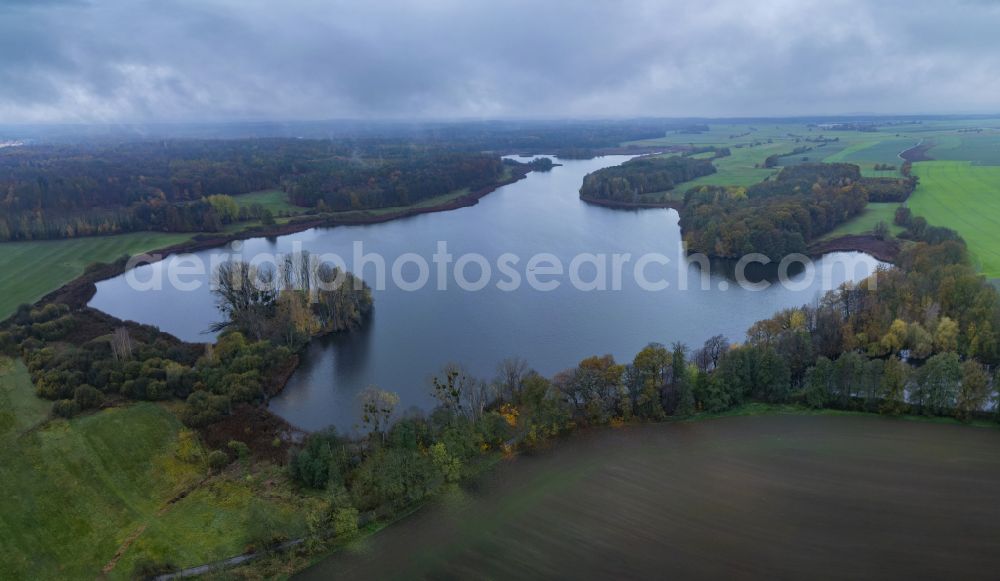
x=412, y=334
x=766, y=497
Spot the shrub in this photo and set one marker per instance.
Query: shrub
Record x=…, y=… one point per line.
x=188, y=447
x=345, y=522
x=65, y=408
x=264, y=528
x=218, y=460
x=88, y=397
x=240, y=449
x=316, y=464
x=204, y=408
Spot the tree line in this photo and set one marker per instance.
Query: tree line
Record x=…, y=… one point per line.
x=65, y=191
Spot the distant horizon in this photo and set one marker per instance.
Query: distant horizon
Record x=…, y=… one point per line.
x=736, y=119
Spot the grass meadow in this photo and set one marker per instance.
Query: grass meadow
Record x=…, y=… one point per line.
x=29, y=270
x=865, y=223
x=79, y=492
x=274, y=200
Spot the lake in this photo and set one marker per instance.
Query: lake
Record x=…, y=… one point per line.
x=413, y=333
x=758, y=497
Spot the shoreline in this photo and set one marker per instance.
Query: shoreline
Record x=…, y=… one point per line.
x=884, y=250
x=618, y=205
x=79, y=291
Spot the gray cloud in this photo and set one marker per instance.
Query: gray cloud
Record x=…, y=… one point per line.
x=191, y=60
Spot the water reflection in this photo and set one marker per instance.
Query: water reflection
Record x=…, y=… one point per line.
x=413, y=333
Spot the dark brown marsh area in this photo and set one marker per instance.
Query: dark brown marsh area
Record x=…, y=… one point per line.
x=769, y=496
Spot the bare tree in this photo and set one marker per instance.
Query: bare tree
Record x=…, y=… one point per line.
x=478, y=395
x=510, y=377
x=297, y=272
x=707, y=358
x=453, y=388
x=377, y=407
x=121, y=344
x=246, y=295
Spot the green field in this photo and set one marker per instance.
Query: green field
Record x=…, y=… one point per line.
x=863, y=148
x=20, y=409
x=866, y=154
x=960, y=190
x=865, y=223
x=75, y=491
x=743, y=167
x=965, y=197
x=760, y=141
x=274, y=200
x=29, y=270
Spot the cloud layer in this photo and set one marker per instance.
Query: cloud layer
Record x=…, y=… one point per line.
x=209, y=60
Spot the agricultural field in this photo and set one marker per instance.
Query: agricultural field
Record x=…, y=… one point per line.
x=743, y=167
x=752, y=144
x=978, y=148
x=274, y=200
x=868, y=154
x=960, y=189
x=78, y=492
x=965, y=197
x=621, y=503
x=29, y=270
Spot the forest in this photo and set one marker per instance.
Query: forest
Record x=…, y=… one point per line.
x=783, y=215
x=631, y=180
x=66, y=191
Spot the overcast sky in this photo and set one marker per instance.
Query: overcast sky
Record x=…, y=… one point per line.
x=207, y=60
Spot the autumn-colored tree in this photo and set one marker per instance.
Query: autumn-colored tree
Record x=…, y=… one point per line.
x=974, y=392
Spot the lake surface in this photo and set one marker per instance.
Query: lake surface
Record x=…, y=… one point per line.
x=413, y=333
x=765, y=497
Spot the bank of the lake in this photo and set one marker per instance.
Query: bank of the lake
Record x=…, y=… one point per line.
x=621, y=205
x=886, y=250
x=80, y=290
x=758, y=496
x=412, y=333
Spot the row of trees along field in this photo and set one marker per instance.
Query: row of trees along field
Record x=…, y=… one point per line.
x=209, y=214
x=64, y=191
x=920, y=341
x=781, y=216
